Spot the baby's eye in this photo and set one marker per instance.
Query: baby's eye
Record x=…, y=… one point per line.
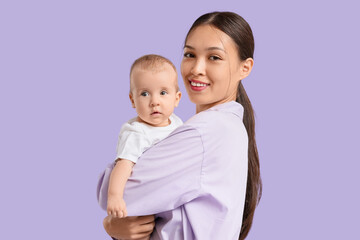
x=188, y=55
x=144, y=94
x=214, y=58
x=163, y=92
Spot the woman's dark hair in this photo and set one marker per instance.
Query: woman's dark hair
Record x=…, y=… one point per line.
x=239, y=30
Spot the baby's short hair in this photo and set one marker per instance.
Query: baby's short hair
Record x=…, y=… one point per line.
x=153, y=62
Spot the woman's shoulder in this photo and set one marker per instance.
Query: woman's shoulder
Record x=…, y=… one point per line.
x=219, y=119
x=220, y=122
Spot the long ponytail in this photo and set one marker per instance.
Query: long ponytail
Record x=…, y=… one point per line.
x=254, y=184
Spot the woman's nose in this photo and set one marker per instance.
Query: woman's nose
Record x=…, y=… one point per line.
x=199, y=67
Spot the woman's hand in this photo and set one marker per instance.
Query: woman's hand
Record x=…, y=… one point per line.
x=130, y=228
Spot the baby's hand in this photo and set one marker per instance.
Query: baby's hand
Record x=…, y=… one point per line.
x=116, y=207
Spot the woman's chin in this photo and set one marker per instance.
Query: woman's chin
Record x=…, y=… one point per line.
x=198, y=100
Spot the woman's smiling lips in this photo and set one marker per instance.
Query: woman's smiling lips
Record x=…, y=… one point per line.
x=197, y=85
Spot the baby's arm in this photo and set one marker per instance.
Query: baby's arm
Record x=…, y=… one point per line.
x=116, y=205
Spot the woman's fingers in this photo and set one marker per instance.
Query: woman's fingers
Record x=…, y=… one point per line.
x=133, y=228
x=144, y=228
x=145, y=219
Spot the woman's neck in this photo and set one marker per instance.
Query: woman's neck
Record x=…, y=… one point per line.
x=202, y=107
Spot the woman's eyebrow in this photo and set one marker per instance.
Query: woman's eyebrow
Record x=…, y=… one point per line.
x=216, y=48
x=209, y=49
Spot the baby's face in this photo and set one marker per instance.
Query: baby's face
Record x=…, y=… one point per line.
x=154, y=95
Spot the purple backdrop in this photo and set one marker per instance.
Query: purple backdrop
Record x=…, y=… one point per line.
x=64, y=82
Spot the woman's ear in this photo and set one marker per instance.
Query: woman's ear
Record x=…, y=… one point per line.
x=132, y=100
x=246, y=67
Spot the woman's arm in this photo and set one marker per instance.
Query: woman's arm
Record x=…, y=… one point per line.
x=165, y=177
x=132, y=228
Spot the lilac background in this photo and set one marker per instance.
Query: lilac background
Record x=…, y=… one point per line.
x=64, y=82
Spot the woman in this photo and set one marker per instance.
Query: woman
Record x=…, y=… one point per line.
x=203, y=181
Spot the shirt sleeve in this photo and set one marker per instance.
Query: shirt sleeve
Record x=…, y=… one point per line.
x=165, y=177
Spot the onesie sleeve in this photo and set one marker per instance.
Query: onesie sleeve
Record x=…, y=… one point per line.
x=132, y=142
x=166, y=176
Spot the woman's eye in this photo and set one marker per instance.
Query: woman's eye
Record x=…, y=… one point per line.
x=214, y=58
x=144, y=94
x=189, y=55
x=163, y=93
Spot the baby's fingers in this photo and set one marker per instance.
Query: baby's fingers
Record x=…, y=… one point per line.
x=115, y=213
x=120, y=214
x=110, y=212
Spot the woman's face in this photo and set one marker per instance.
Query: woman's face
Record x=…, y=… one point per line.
x=211, y=68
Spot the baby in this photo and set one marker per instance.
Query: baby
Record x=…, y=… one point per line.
x=154, y=93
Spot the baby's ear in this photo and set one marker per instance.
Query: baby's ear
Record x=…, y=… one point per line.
x=132, y=100
x=177, y=98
